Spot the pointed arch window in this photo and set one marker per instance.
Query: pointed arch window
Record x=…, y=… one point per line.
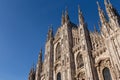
x=58, y=52
x=59, y=76
x=106, y=74
x=79, y=61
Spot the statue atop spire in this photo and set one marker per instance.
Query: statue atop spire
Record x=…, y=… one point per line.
x=63, y=18
x=81, y=18
x=67, y=19
x=50, y=33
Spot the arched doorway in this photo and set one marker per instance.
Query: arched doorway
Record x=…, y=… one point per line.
x=59, y=76
x=106, y=74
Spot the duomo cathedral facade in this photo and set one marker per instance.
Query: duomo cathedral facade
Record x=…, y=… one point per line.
x=75, y=53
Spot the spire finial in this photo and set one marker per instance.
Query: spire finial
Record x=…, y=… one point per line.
x=81, y=18
x=79, y=11
x=50, y=32
x=66, y=10
x=66, y=15
x=63, y=18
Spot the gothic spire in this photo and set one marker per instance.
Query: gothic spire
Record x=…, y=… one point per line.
x=67, y=19
x=102, y=16
x=63, y=18
x=81, y=17
x=39, y=66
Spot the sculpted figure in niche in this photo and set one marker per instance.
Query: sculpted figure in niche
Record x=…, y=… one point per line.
x=79, y=61
x=58, y=52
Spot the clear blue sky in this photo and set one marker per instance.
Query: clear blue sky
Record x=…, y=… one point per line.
x=24, y=25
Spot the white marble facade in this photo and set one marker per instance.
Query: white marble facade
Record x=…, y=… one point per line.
x=75, y=53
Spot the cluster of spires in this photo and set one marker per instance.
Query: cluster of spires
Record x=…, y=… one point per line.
x=66, y=19
x=112, y=14
x=111, y=11
x=113, y=17
x=103, y=18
